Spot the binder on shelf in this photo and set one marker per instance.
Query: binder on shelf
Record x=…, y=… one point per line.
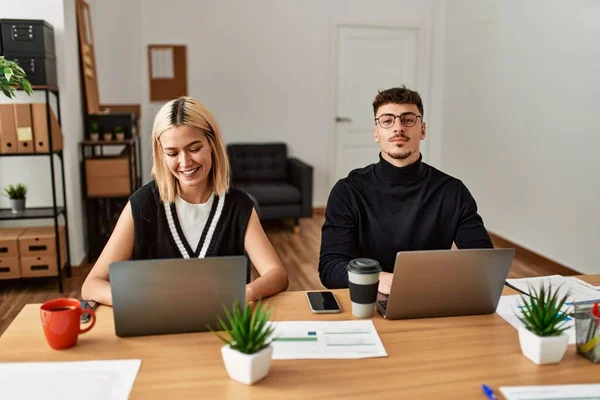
x=24, y=128
x=8, y=130
x=40, y=129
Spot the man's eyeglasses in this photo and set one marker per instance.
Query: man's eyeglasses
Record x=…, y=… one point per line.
x=407, y=119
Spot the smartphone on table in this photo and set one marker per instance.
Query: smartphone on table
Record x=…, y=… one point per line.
x=323, y=302
x=89, y=304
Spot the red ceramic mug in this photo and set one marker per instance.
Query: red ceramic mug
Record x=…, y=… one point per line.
x=61, y=319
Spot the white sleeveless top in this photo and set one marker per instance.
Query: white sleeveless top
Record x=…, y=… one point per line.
x=192, y=218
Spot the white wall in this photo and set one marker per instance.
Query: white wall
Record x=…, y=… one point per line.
x=264, y=67
x=118, y=46
x=34, y=171
x=520, y=120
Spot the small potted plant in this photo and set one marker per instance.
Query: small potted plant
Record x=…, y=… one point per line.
x=107, y=136
x=119, y=132
x=13, y=77
x=17, y=195
x=247, y=351
x=543, y=339
x=94, y=131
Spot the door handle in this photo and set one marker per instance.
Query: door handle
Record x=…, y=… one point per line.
x=342, y=119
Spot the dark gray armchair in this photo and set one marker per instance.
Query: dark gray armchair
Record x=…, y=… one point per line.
x=282, y=186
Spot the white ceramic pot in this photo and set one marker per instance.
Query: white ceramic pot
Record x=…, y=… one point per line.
x=543, y=350
x=120, y=136
x=94, y=136
x=108, y=136
x=247, y=368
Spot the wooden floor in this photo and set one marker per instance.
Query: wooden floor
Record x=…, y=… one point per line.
x=299, y=253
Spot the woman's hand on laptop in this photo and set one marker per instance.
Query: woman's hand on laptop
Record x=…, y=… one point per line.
x=385, y=282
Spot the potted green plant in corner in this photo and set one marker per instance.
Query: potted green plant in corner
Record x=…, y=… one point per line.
x=543, y=339
x=13, y=77
x=119, y=132
x=247, y=351
x=94, y=131
x=17, y=195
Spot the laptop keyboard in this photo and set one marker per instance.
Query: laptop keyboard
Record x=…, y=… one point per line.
x=383, y=304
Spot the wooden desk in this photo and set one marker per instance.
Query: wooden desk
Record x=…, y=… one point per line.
x=428, y=358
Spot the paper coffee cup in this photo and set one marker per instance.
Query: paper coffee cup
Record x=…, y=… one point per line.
x=363, y=281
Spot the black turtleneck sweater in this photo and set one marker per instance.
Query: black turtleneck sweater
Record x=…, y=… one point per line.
x=382, y=209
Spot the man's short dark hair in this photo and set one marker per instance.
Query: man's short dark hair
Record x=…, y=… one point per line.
x=399, y=95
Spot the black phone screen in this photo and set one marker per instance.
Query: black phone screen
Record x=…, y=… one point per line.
x=322, y=301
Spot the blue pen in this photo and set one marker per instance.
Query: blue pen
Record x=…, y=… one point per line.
x=489, y=393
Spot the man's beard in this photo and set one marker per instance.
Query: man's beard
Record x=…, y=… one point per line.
x=400, y=156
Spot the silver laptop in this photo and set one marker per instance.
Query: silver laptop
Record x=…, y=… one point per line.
x=443, y=283
x=152, y=297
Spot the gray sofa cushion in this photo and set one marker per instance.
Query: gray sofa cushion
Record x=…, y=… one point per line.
x=272, y=192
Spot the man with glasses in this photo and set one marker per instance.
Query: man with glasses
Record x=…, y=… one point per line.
x=397, y=204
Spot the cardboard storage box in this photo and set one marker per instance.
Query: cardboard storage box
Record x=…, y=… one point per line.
x=40, y=241
x=27, y=36
x=9, y=268
x=9, y=242
x=107, y=177
x=34, y=267
x=38, y=251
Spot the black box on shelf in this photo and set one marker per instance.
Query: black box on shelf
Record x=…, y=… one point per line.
x=40, y=70
x=109, y=121
x=27, y=36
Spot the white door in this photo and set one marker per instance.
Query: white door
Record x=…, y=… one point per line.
x=368, y=59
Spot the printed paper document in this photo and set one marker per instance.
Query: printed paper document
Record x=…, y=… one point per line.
x=68, y=380
x=580, y=291
x=587, y=392
x=326, y=339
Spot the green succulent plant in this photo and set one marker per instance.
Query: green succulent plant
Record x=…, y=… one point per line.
x=13, y=77
x=119, y=129
x=16, y=192
x=248, y=330
x=541, y=311
x=94, y=127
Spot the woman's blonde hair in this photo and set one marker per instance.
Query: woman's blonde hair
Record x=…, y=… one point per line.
x=190, y=112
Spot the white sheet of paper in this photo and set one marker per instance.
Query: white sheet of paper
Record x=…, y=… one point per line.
x=584, y=283
x=508, y=306
x=162, y=63
x=579, y=291
x=587, y=392
x=326, y=340
x=75, y=380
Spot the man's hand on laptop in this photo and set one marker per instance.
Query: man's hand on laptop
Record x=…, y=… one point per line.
x=385, y=282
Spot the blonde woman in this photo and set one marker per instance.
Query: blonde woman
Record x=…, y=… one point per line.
x=189, y=210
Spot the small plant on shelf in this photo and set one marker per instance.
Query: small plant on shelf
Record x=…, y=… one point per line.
x=543, y=338
x=247, y=351
x=12, y=77
x=94, y=130
x=17, y=196
x=119, y=132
